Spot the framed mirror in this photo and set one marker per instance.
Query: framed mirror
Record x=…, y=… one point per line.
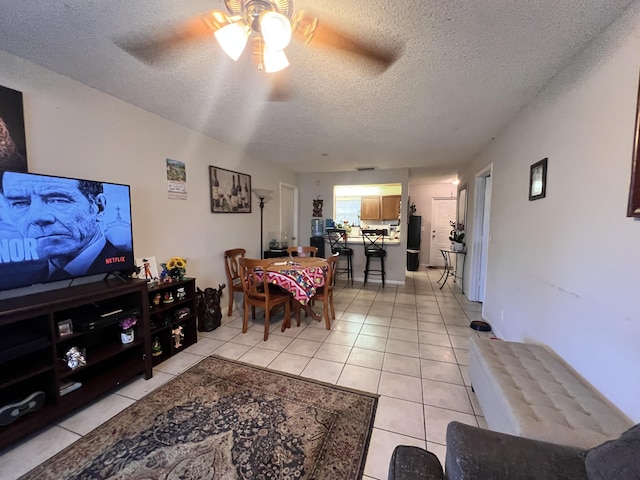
x=462, y=206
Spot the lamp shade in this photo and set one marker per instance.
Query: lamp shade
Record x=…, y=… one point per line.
x=261, y=193
x=275, y=29
x=233, y=38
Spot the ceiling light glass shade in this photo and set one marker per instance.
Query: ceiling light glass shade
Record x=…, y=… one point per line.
x=274, y=60
x=233, y=38
x=275, y=29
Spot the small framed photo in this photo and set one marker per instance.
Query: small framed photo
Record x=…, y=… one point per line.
x=148, y=268
x=538, y=180
x=65, y=327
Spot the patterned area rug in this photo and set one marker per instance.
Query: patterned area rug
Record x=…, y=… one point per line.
x=227, y=420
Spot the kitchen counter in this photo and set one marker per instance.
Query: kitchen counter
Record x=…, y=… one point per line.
x=355, y=239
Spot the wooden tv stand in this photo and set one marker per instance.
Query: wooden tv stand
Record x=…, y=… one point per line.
x=33, y=350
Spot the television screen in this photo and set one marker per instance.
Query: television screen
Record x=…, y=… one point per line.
x=57, y=228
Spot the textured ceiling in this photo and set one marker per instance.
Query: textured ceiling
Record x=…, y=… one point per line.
x=466, y=68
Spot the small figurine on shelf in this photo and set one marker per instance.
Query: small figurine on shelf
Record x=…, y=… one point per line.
x=156, y=299
x=168, y=297
x=156, y=348
x=75, y=358
x=178, y=336
x=181, y=294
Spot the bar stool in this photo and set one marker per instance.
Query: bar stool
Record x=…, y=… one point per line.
x=338, y=242
x=373, y=241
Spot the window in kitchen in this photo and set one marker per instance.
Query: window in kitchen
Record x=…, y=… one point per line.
x=350, y=201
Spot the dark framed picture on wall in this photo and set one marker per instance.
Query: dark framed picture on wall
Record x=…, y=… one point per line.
x=538, y=180
x=13, y=148
x=230, y=191
x=633, y=208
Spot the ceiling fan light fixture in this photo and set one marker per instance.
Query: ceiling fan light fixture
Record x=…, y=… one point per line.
x=274, y=60
x=275, y=29
x=233, y=39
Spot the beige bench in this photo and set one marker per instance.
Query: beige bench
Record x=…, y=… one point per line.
x=529, y=391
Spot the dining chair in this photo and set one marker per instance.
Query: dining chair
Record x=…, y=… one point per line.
x=338, y=242
x=325, y=292
x=255, y=284
x=303, y=251
x=233, y=273
x=373, y=241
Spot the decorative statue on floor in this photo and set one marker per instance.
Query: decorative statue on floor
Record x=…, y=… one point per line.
x=208, y=308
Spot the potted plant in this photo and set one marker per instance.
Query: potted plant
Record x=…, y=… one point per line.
x=126, y=326
x=457, y=236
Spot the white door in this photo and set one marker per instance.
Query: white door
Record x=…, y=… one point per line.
x=481, y=235
x=288, y=213
x=482, y=274
x=443, y=210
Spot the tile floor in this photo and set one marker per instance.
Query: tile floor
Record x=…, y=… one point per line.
x=406, y=343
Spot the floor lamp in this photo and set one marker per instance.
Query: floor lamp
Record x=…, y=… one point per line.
x=263, y=195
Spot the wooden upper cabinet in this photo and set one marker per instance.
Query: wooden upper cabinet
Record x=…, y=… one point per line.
x=390, y=207
x=370, y=208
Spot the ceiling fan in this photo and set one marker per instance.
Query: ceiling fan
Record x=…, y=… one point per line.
x=267, y=26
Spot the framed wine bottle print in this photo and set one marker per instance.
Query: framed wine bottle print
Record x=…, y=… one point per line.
x=633, y=207
x=230, y=191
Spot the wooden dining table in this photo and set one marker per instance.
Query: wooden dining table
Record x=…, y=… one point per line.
x=300, y=276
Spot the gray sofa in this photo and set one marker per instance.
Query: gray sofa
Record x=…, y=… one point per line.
x=477, y=454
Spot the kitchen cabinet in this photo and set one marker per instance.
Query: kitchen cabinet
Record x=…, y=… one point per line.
x=370, y=208
x=390, y=207
x=377, y=208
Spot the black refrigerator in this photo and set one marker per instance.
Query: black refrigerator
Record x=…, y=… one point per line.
x=413, y=238
x=413, y=243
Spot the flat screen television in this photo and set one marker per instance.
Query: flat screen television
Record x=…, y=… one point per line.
x=58, y=228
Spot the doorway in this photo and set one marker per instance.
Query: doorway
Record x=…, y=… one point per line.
x=443, y=210
x=481, y=235
x=289, y=212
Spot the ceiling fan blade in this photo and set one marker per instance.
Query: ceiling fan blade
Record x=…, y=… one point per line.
x=311, y=30
x=153, y=49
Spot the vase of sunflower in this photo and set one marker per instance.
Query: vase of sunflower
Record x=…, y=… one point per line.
x=175, y=269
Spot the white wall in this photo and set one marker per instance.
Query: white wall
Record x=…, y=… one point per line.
x=73, y=130
x=422, y=195
x=565, y=270
x=314, y=184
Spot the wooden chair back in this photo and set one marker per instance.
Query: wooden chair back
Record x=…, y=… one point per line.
x=325, y=293
x=255, y=284
x=254, y=278
x=232, y=268
x=332, y=261
x=303, y=251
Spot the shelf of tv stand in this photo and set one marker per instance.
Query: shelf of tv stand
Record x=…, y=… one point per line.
x=98, y=355
x=157, y=313
x=26, y=373
x=109, y=362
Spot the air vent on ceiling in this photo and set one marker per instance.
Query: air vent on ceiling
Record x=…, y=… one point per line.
x=364, y=169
